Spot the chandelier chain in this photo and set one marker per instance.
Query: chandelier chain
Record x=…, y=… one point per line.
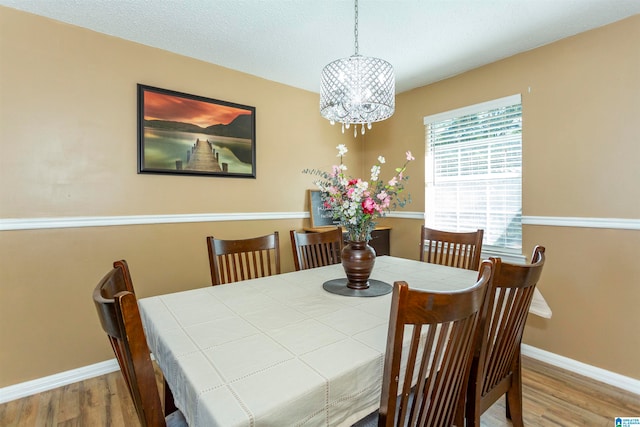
x=355, y=31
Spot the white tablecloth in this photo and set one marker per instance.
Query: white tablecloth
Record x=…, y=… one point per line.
x=281, y=351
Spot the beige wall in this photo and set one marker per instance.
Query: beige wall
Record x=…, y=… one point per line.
x=68, y=148
x=68, y=144
x=581, y=156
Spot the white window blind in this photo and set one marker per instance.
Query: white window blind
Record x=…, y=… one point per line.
x=474, y=171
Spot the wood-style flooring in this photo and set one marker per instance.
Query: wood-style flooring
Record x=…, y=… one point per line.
x=552, y=397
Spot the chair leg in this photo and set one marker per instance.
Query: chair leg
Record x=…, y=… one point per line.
x=472, y=416
x=472, y=406
x=514, y=395
x=169, y=404
x=460, y=408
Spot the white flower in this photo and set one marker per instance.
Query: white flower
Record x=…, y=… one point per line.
x=375, y=172
x=355, y=203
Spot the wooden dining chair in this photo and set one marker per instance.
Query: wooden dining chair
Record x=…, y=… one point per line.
x=117, y=308
x=442, y=329
x=496, y=366
x=452, y=249
x=236, y=260
x=311, y=250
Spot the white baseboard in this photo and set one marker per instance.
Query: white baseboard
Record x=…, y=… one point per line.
x=39, y=385
x=629, y=384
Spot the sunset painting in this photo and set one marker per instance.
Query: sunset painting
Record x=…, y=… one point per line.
x=187, y=134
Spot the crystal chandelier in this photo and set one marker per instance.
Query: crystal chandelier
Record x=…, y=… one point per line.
x=357, y=90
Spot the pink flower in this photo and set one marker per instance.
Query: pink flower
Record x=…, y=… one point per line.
x=357, y=203
x=368, y=206
x=385, y=200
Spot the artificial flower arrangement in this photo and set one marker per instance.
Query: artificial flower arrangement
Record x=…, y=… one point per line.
x=355, y=203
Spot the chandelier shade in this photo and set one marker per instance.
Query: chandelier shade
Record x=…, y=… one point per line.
x=357, y=90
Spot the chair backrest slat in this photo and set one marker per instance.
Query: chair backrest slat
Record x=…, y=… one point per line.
x=316, y=249
x=236, y=260
x=453, y=249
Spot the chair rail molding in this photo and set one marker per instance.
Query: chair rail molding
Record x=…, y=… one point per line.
x=10, y=224
x=7, y=224
x=406, y=215
x=567, y=221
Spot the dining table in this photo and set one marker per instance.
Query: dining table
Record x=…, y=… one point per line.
x=281, y=350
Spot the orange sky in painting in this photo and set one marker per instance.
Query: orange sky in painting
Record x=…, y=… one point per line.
x=166, y=107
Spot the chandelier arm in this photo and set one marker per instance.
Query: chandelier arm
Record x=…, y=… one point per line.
x=362, y=120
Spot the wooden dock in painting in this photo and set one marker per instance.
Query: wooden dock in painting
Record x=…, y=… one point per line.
x=202, y=157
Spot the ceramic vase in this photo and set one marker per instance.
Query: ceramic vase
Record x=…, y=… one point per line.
x=358, y=259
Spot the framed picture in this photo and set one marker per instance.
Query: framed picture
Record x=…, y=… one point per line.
x=186, y=134
x=320, y=216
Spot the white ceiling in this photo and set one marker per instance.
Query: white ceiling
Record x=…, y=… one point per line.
x=289, y=41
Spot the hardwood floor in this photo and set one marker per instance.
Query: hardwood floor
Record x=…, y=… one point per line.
x=555, y=397
x=552, y=397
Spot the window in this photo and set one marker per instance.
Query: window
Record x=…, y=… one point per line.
x=474, y=172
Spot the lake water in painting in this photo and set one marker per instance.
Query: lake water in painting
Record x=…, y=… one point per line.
x=162, y=148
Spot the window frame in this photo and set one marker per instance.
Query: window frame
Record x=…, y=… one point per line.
x=508, y=254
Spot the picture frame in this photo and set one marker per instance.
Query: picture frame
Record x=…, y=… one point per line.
x=184, y=134
x=320, y=216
